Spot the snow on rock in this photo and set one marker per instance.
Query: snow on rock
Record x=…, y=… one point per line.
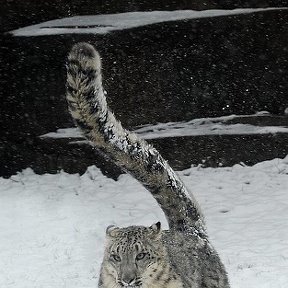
x=195, y=127
x=53, y=226
x=101, y=24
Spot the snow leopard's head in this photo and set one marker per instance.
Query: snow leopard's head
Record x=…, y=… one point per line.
x=133, y=254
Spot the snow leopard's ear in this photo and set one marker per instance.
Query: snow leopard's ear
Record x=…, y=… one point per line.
x=112, y=231
x=155, y=231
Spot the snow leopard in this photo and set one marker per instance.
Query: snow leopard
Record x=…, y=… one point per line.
x=141, y=256
x=136, y=257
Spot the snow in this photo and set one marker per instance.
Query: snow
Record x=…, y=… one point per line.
x=196, y=127
x=53, y=226
x=102, y=24
x=64, y=133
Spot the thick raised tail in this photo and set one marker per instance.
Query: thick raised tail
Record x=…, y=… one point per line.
x=88, y=107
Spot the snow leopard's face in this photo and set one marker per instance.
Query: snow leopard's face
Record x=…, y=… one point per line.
x=133, y=254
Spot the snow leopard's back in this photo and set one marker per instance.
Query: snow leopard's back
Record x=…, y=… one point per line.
x=195, y=260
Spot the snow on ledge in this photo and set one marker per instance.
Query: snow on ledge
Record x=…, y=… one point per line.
x=195, y=127
x=105, y=23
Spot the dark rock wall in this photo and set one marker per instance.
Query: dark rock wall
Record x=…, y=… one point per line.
x=166, y=72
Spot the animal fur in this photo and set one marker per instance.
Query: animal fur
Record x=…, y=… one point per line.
x=189, y=252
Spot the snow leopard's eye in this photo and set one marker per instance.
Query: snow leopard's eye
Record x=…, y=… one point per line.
x=115, y=257
x=140, y=256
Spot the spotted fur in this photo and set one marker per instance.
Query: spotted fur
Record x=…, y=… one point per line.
x=180, y=257
x=88, y=106
x=135, y=257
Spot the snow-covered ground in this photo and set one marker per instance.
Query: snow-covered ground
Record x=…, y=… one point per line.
x=53, y=226
x=101, y=24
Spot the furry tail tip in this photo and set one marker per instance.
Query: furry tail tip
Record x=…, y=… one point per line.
x=86, y=54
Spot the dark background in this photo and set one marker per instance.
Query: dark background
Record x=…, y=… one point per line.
x=172, y=71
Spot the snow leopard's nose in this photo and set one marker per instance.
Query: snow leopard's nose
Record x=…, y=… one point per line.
x=128, y=281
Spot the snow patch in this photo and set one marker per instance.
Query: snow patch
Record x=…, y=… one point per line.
x=102, y=24
x=53, y=226
x=196, y=127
